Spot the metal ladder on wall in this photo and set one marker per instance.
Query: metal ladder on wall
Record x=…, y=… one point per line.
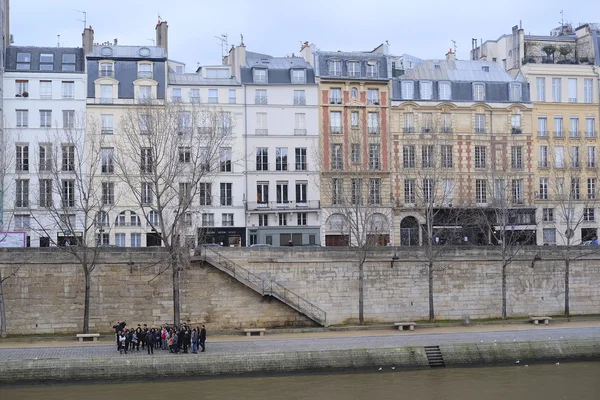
x=264, y=287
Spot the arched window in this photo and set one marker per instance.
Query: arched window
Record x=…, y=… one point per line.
x=121, y=219
x=354, y=93
x=134, y=219
x=336, y=223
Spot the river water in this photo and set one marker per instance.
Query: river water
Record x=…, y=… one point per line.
x=580, y=381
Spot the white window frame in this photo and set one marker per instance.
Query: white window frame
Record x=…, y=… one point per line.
x=478, y=92
x=408, y=90
x=540, y=84
x=426, y=89
x=445, y=90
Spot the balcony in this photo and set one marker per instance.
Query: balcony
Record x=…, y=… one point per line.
x=426, y=129
x=354, y=74
x=299, y=101
x=145, y=74
x=336, y=130
x=260, y=100
x=335, y=100
x=516, y=131
x=373, y=102
x=176, y=99
x=557, y=60
x=372, y=74
x=261, y=132
x=557, y=134
x=542, y=133
x=106, y=100
x=300, y=132
x=106, y=73
x=107, y=131
x=373, y=130
x=333, y=72
x=290, y=205
x=543, y=164
x=590, y=134
x=215, y=100
x=574, y=134
x=479, y=130
x=446, y=129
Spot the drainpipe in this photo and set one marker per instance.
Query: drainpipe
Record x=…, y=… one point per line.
x=246, y=164
x=597, y=93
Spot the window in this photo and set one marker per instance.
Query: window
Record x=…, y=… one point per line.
x=591, y=156
x=68, y=119
x=147, y=196
x=446, y=123
x=374, y=191
x=301, y=163
x=373, y=123
x=336, y=191
x=353, y=68
x=45, y=89
x=22, y=118
x=355, y=153
x=106, y=94
x=68, y=193
x=540, y=84
x=195, y=95
x=263, y=220
x=136, y=239
x=478, y=92
x=185, y=154
x=185, y=195
x=409, y=122
x=301, y=194
x=232, y=96
x=480, y=157
x=22, y=193
x=591, y=188
x=374, y=157
x=282, y=219
x=102, y=239
x=427, y=156
x=262, y=192
x=549, y=236
x=225, y=159
x=300, y=124
x=516, y=153
x=448, y=190
x=354, y=119
x=479, y=123
x=134, y=219
x=146, y=161
x=427, y=190
x=205, y=190
x=120, y=239
x=588, y=90
x=260, y=96
x=22, y=89
x=446, y=153
x=575, y=157
x=153, y=218
x=23, y=222
x=408, y=156
x=262, y=158
x=372, y=69
x=559, y=157
x=335, y=96
x=515, y=92
x=373, y=97
x=481, y=191
x=572, y=90
x=45, y=157
x=426, y=91
x=145, y=124
x=106, y=69
x=558, y=126
x=543, y=159
x=226, y=194
x=408, y=90
x=515, y=121
x=337, y=163
x=354, y=93
x=298, y=76
x=184, y=123
x=299, y=97
x=176, y=94
x=217, y=73
x=547, y=214
x=517, y=191
x=68, y=158
x=588, y=214
x=145, y=70
x=409, y=191
x=556, y=90
x=281, y=159
x=213, y=96
x=224, y=123
x=45, y=192
x=45, y=118
x=68, y=62
x=107, y=160
x=208, y=219
x=335, y=122
x=107, y=124
x=108, y=193
x=226, y=219
x=260, y=75
x=356, y=191
x=445, y=90
x=574, y=127
x=281, y=189
x=589, y=127
x=23, y=61
x=335, y=68
x=575, y=193
x=145, y=92
x=543, y=195
x=302, y=219
x=542, y=126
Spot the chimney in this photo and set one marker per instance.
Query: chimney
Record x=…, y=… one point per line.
x=450, y=55
x=88, y=40
x=162, y=35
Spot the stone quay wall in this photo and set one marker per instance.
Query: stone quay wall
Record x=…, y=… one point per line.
x=46, y=296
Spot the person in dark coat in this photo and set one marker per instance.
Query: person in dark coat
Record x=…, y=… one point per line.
x=140, y=337
x=128, y=337
x=187, y=338
x=195, y=337
x=203, y=338
x=150, y=342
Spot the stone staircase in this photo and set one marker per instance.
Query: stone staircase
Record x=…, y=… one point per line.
x=434, y=356
x=264, y=287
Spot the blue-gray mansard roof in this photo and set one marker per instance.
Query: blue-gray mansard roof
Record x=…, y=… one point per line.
x=279, y=69
x=323, y=59
x=199, y=80
x=461, y=75
x=32, y=54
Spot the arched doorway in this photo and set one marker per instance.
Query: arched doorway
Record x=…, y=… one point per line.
x=409, y=232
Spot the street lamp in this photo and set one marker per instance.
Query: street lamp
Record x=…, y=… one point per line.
x=394, y=258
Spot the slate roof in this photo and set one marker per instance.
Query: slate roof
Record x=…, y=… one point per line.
x=127, y=52
x=11, y=58
x=324, y=57
x=458, y=71
x=278, y=68
x=199, y=80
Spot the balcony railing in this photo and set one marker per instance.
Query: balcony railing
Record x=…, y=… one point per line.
x=479, y=130
x=557, y=60
x=409, y=129
x=107, y=131
x=354, y=74
x=215, y=100
x=299, y=101
x=543, y=164
x=542, y=133
x=446, y=129
x=590, y=134
x=374, y=102
x=106, y=73
x=260, y=100
x=335, y=72
x=372, y=74
x=335, y=100
x=335, y=130
x=290, y=205
x=300, y=132
x=373, y=130
x=106, y=100
x=560, y=133
x=261, y=132
x=516, y=131
x=426, y=129
x=573, y=133
x=145, y=74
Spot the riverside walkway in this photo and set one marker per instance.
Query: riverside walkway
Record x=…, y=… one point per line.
x=314, y=341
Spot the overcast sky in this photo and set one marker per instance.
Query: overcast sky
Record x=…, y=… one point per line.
x=422, y=28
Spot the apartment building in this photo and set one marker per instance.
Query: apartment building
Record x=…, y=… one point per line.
x=44, y=106
x=280, y=144
x=461, y=144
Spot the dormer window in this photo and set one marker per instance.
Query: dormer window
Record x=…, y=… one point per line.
x=408, y=90
x=298, y=76
x=335, y=68
x=485, y=68
x=445, y=90
x=354, y=68
x=106, y=70
x=46, y=62
x=68, y=62
x=260, y=75
x=23, y=61
x=145, y=70
x=217, y=73
x=478, y=92
x=426, y=91
x=372, y=69
x=515, y=92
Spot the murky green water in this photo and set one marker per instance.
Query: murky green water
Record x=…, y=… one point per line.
x=579, y=381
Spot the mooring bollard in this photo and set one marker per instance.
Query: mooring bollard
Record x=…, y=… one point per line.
x=467, y=320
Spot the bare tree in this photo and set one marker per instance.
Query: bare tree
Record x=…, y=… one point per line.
x=167, y=154
x=12, y=272
x=356, y=204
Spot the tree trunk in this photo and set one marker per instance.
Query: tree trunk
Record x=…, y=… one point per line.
x=567, y=278
x=431, y=309
x=86, y=301
x=504, y=290
x=2, y=311
x=176, y=300
x=361, y=286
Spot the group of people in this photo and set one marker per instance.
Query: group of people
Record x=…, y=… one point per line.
x=174, y=339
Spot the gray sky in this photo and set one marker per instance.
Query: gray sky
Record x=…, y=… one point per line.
x=421, y=28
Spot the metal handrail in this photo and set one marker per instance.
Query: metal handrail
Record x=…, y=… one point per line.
x=268, y=287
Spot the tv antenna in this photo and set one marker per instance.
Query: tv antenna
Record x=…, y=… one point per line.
x=152, y=40
x=454, y=45
x=562, y=22
x=224, y=44
x=84, y=20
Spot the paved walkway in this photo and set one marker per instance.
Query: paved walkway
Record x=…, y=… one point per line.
x=317, y=341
